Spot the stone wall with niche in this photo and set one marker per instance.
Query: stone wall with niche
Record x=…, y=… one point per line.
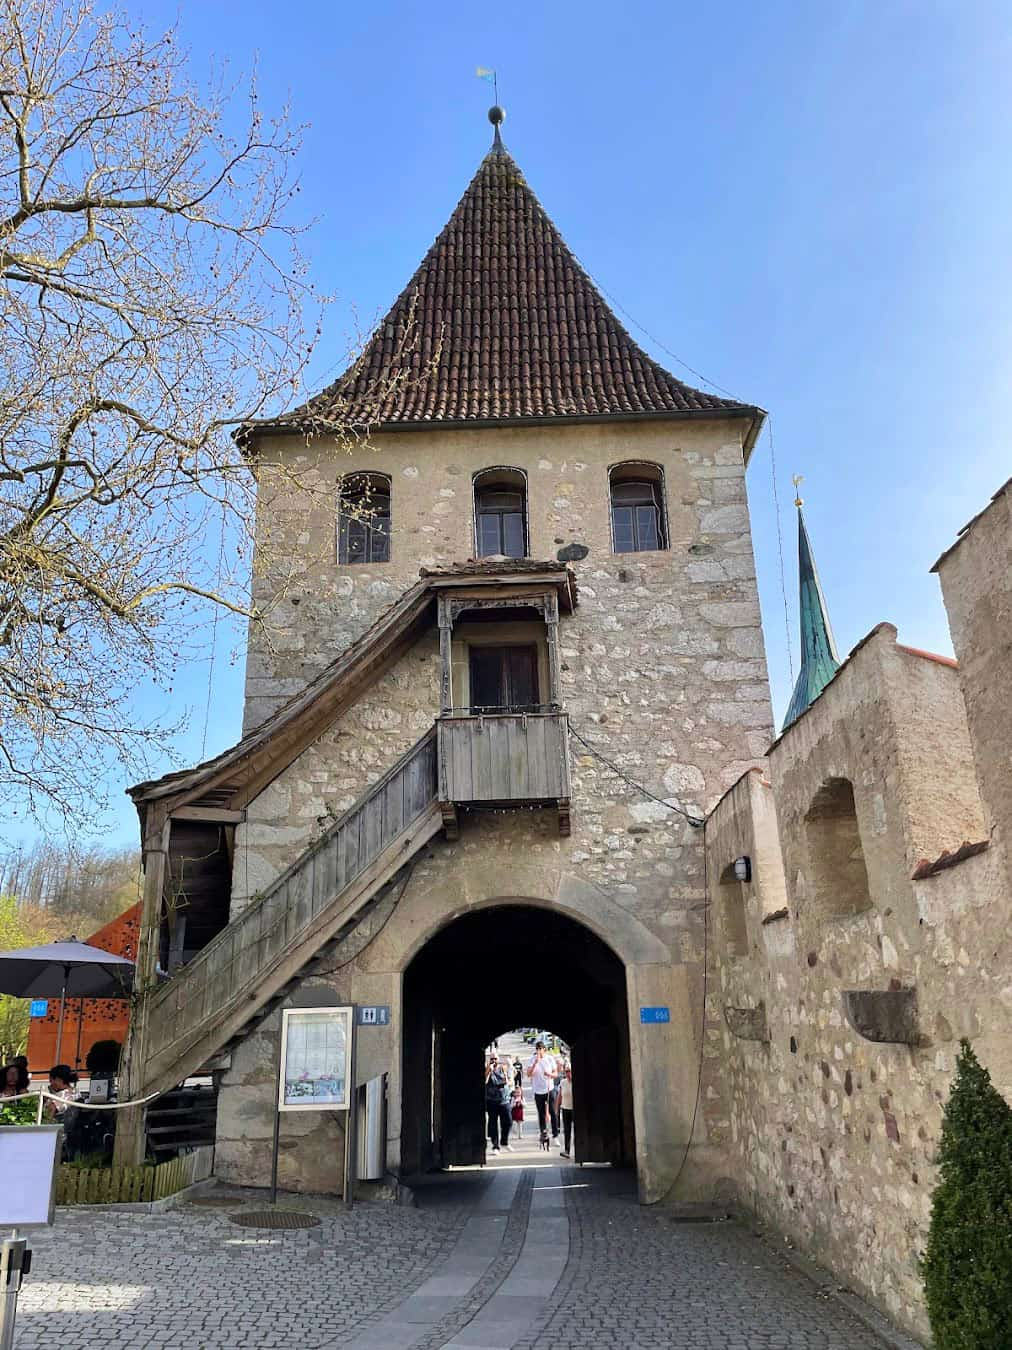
x=833, y=1135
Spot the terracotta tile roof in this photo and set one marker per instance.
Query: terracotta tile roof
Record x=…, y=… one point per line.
x=929, y=656
x=500, y=323
x=926, y=869
x=496, y=566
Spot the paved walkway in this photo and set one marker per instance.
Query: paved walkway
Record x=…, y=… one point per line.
x=527, y=1253
x=508, y=1258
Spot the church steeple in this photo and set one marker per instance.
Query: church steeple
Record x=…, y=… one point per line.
x=819, y=658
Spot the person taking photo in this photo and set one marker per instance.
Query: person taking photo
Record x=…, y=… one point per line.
x=542, y=1070
x=497, y=1104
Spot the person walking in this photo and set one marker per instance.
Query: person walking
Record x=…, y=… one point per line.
x=541, y=1070
x=566, y=1106
x=553, y=1102
x=517, y=1111
x=497, y=1105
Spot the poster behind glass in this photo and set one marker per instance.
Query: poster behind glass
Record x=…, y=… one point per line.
x=315, y=1045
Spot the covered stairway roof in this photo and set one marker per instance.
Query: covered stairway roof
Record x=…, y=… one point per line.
x=238, y=774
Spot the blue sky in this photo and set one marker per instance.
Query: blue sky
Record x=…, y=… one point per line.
x=807, y=203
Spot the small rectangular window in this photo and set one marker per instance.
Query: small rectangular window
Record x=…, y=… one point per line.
x=637, y=508
x=363, y=526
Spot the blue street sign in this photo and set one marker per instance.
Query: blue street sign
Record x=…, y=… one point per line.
x=655, y=1014
x=39, y=1007
x=378, y=1015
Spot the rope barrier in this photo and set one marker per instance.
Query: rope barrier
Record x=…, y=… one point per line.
x=42, y=1093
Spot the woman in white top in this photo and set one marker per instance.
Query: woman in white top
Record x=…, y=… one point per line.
x=61, y=1087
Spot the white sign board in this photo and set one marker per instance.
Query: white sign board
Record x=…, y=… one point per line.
x=29, y=1155
x=315, y=1056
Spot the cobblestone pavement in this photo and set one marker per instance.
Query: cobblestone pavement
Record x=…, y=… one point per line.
x=189, y=1277
x=638, y=1279
x=511, y=1258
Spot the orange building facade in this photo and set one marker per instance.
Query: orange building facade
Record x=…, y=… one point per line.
x=91, y=1019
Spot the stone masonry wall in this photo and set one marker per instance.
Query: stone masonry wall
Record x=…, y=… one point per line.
x=976, y=577
x=662, y=667
x=834, y=1136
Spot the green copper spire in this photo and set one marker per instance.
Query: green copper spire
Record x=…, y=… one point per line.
x=819, y=659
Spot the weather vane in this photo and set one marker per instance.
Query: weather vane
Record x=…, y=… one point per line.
x=484, y=73
x=797, y=480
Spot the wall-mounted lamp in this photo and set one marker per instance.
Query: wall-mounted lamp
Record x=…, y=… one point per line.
x=743, y=869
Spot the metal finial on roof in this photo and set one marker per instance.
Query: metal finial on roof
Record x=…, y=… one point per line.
x=819, y=658
x=497, y=116
x=797, y=480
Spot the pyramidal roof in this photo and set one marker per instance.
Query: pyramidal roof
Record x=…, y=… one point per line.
x=501, y=324
x=819, y=658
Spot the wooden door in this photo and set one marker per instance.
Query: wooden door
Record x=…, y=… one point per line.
x=597, y=1097
x=462, y=1109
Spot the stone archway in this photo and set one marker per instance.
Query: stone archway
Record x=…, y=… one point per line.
x=500, y=966
x=663, y=1058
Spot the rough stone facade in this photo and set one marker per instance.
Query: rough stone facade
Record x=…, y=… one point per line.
x=833, y=1132
x=663, y=670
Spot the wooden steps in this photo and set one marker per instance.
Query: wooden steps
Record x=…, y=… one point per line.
x=249, y=967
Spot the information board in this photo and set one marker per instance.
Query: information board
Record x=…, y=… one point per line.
x=29, y=1155
x=315, y=1049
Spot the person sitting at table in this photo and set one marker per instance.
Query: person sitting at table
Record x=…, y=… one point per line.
x=15, y=1080
x=61, y=1088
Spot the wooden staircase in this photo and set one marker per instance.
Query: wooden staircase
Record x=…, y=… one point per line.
x=251, y=964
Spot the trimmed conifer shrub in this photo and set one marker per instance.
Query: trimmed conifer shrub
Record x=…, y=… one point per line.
x=967, y=1267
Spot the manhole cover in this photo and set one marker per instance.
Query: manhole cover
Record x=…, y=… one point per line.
x=214, y=1201
x=275, y=1218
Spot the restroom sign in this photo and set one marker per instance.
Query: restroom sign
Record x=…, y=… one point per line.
x=376, y=1015
x=654, y=1015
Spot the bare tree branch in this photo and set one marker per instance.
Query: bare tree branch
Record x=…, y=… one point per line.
x=154, y=298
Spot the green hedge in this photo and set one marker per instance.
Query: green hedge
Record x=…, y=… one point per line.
x=967, y=1266
x=23, y=1112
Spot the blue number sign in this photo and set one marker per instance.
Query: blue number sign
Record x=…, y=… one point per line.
x=39, y=1007
x=655, y=1014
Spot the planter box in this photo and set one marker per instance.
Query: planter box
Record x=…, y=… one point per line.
x=132, y=1185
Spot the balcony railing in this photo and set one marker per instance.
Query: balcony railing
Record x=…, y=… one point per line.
x=492, y=755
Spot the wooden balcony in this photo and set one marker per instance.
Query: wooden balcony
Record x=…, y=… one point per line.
x=502, y=758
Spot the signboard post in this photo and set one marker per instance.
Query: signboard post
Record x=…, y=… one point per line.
x=29, y=1156
x=316, y=1072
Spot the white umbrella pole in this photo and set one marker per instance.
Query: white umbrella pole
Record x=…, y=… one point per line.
x=63, y=1009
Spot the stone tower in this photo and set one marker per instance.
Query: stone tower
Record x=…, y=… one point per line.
x=515, y=656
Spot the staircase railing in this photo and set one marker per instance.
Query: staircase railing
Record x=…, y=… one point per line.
x=229, y=970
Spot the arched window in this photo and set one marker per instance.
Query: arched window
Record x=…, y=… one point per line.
x=363, y=521
x=837, y=868
x=638, y=524
x=500, y=513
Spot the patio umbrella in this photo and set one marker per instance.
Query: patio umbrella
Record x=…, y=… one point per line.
x=65, y=970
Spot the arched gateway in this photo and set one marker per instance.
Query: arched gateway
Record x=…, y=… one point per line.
x=477, y=749
x=499, y=967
